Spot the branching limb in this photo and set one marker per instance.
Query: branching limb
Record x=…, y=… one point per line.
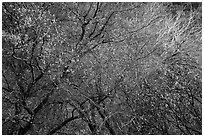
x=54, y=130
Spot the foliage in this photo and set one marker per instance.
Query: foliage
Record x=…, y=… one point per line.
x=101, y=68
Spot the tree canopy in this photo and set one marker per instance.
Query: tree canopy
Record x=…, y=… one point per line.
x=101, y=68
